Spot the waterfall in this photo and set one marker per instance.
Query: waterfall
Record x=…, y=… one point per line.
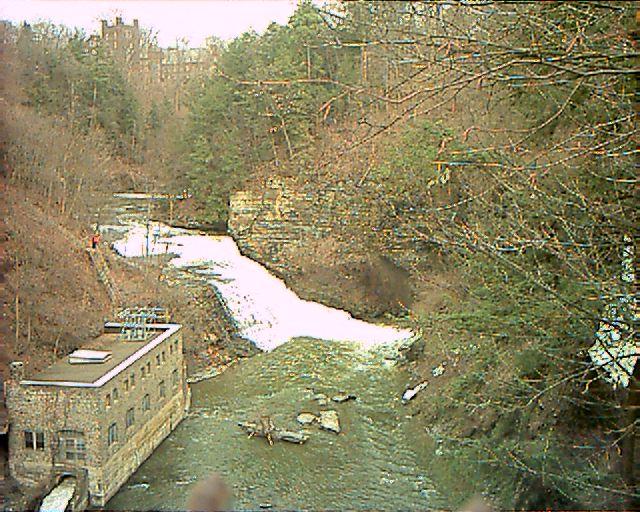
x=267, y=313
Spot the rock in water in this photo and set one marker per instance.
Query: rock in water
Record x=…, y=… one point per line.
x=343, y=398
x=410, y=393
x=306, y=418
x=329, y=421
x=439, y=370
x=290, y=436
x=321, y=398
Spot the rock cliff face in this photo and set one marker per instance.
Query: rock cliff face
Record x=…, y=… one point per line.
x=285, y=217
x=272, y=225
x=325, y=239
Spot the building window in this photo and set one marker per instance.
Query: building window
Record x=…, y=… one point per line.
x=132, y=380
x=146, y=403
x=71, y=445
x=174, y=378
x=149, y=368
x=74, y=449
x=126, y=385
x=157, y=359
x=164, y=357
x=142, y=372
x=107, y=400
x=130, y=419
x=112, y=434
x=163, y=391
x=170, y=349
x=33, y=440
x=115, y=395
x=29, y=439
x=175, y=343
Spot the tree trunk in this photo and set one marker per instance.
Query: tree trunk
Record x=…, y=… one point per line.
x=29, y=332
x=17, y=319
x=630, y=415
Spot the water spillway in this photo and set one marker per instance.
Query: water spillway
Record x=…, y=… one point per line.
x=60, y=496
x=265, y=310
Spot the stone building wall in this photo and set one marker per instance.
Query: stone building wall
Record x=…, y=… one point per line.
x=51, y=409
x=137, y=442
x=48, y=410
x=127, y=457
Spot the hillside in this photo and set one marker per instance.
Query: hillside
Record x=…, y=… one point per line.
x=481, y=192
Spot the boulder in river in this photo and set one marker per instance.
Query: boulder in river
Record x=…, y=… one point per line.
x=306, y=418
x=411, y=392
x=329, y=421
x=439, y=370
x=321, y=398
x=343, y=397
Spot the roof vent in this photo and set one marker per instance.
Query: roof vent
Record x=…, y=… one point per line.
x=89, y=357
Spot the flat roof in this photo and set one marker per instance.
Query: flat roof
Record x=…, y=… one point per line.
x=124, y=354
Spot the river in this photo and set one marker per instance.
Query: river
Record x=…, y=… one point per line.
x=378, y=461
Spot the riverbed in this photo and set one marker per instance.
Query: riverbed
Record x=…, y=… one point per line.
x=378, y=461
x=374, y=463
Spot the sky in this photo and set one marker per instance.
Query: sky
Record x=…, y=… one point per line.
x=171, y=19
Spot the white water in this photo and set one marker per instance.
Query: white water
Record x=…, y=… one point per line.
x=266, y=311
x=58, y=499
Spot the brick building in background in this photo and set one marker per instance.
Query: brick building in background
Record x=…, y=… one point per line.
x=98, y=414
x=122, y=41
x=136, y=51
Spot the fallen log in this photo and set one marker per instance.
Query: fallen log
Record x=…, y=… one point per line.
x=272, y=434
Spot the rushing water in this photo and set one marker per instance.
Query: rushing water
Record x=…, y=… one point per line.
x=378, y=461
x=374, y=463
x=265, y=310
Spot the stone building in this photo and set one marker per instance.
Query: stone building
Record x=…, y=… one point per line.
x=98, y=414
x=182, y=64
x=122, y=41
x=138, y=54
